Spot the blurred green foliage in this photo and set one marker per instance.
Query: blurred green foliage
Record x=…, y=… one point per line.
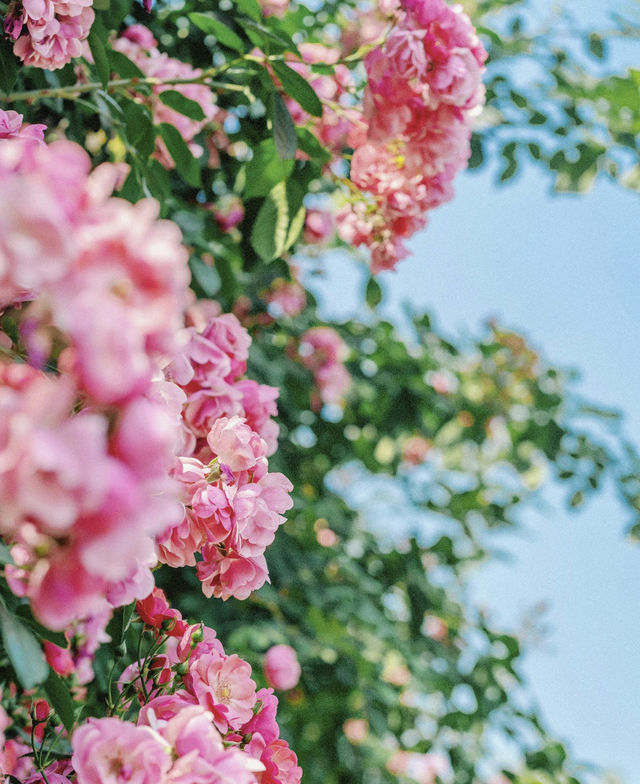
x=396, y=497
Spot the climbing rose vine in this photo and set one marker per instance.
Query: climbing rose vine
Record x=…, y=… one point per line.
x=132, y=433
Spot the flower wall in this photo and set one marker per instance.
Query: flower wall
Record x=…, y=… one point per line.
x=176, y=418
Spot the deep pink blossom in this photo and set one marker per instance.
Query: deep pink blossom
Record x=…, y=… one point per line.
x=156, y=612
x=263, y=721
x=281, y=764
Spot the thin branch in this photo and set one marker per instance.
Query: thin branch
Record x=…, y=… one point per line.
x=70, y=91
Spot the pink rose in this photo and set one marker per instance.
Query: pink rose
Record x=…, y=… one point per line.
x=281, y=667
x=281, y=764
x=223, y=685
x=229, y=575
x=111, y=751
x=236, y=444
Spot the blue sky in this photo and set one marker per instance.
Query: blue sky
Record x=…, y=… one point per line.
x=565, y=271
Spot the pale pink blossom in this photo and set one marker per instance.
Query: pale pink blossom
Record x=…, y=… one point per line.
x=422, y=768
x=235, y=444
x=281, y=667
x=229, y=575
x=323, y=352
x=86, y=455
x=258, y=403
x=356, y=730
x=424, y=88
x=223, y=685
x=12, y=127
x=49, y=33
x=319, y=226
x=274, y=7
x=415, y=449
x=111, y=751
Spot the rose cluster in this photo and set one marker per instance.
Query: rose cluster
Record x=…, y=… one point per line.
x=233, y=504
x=48, y=33
x=200, y=717
x=424, y=87
x=95, y=289
x=125, y=436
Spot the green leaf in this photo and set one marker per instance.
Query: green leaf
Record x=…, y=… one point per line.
x=596, y=46
x=265, y=170
x=477, y=153
x=535, y=151
x=5, y=554
x=114, y=15
x=224, y=35
x=131, y=189
x=23, y=612
x=58, y=694
x=155, y=181
x=519, y=100
x=119, y=623
x=250, y=8
x=139, y=128
x=538, y=118
x=576, y=499
x=298, y=88
x=206, y=277
x=269, y=233
x=23, y=650
x=8, y=66
x=491, y=34
x=373, y=293
x=284, y=131
x=310, y=144
x=186, y=164
x=123, y=66
x=180, y=103
x=265, y=38
x=96, y=44
x=228, y=278
x=511, y=163
x=297, y=223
